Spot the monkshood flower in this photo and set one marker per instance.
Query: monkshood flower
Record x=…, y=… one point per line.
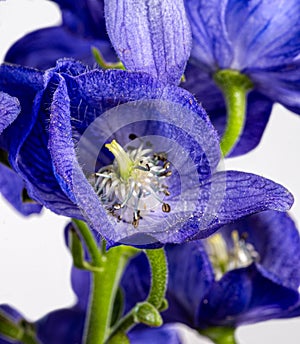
x=11, y=185
x=145, y=171
x=248, y=272
x=259, y=39
x=83, y=27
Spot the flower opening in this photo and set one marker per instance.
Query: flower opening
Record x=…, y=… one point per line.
x=135, y=184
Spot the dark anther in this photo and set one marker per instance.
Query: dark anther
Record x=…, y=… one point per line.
x=166, y=174
x=166, y=165
x=166, y=208
x=117, y=206
x=135, y=223
x=166, y=192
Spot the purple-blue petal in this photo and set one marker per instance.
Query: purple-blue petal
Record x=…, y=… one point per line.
x=42, y=48
x=61, y=326
x=136, y=281
x=12, y=188
x=190, y=278
x=84, y=18
x=152, y=37
x=165, y=334
x=245, y=296
x=9, y=110
x=243, y=194
x=211, y=45
x=280, y=83
x=263, y=33
x=23, y=84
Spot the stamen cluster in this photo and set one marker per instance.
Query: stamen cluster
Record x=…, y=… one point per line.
x=134, y=184
x=225, y=257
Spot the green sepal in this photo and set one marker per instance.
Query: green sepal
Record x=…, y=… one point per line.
x=147, y=314
x=102, y=63
x=219, y=334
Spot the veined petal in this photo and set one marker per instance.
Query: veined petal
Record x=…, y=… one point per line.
x=150, y=36
x=245, y=194
x=211, y=44
x=263, y=33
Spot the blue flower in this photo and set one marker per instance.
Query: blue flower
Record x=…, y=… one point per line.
x=83, y=27
x=248, y=272
x=261, y=39
x=163, y=185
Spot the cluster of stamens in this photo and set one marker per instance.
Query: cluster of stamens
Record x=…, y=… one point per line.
x=224, y=259
x=134, y=184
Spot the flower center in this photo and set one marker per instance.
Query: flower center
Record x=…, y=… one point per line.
x=224, y=258
x=134, y=184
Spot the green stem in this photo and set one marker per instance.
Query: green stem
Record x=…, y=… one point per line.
x=159, y=276
x=235, y=87
x=220, y=335
x=103, y=291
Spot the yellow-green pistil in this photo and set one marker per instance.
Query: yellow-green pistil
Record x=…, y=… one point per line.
x=125, y=164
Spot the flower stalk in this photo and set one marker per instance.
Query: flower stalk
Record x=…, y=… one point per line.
x=235, y=87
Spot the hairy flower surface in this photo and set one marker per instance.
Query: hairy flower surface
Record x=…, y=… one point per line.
x=57, y=145
x=246, y=273
x=259, y=38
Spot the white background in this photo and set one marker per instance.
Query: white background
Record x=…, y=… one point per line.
x=34, y=263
